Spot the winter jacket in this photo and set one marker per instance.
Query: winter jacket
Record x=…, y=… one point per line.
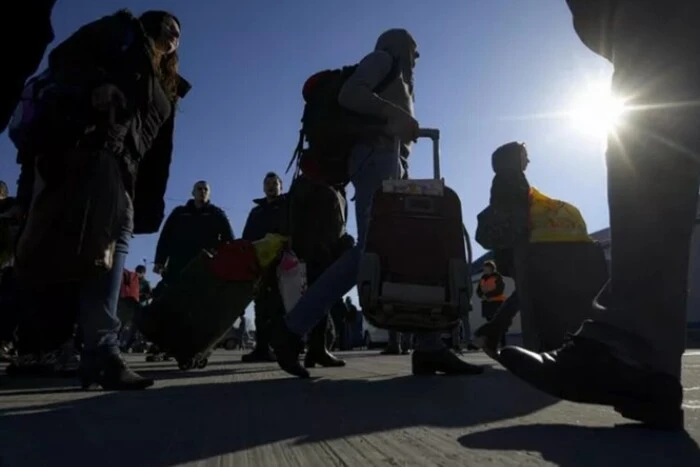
x=266, y=217
x=187, y=231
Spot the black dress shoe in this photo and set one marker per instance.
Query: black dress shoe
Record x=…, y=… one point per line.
x=442, y=361
x=288, y=347
x=587, y=371
x=322, y=358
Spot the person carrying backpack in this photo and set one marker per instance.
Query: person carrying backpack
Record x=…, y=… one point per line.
x=364, y=123
x=95, y=148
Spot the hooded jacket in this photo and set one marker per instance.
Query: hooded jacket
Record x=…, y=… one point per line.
x=509, y=188
x=149, y=139
x=357, y=94
x=188, y=230
x=265, y=218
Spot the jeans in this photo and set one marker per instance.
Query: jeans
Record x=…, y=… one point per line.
x=368, y=168
x=99, y=297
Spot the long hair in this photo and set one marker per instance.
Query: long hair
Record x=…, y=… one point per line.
x=164, y=66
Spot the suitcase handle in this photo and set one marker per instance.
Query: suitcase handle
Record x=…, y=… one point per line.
x=434, y=135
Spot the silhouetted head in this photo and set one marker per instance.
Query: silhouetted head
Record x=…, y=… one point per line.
x=399, y=43
x=272, y=185
x=201, y=192
x=163, y=29
x=140, y=271
x=510, y=156
x=489, y=267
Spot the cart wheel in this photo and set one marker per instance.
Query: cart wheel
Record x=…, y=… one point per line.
x=202, y=363
x=186, y=365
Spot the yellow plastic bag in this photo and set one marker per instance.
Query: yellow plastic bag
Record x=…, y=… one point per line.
x=553, y=220
x=268, y=248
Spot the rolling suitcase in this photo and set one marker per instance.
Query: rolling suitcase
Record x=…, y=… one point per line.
x=414, y=273
x=190, y=316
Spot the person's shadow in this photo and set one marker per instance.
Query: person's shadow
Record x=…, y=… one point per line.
x=580, y=446
x=176, y=424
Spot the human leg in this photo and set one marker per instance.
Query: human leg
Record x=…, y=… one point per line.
x=101, y=361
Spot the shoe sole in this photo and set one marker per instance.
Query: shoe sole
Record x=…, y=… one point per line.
x=652, y=416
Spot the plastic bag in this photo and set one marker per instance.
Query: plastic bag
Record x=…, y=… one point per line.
x=553, y=220
x=268, y=248
x=291, y=279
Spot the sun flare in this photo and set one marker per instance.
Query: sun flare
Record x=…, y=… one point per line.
x=595, y=111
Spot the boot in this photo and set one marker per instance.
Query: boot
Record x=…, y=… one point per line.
x=112, y=374
x=490, y=335
x=287, y=347
x=393, y=347
x=318, y=352
x=442, y=361
x=262, y=352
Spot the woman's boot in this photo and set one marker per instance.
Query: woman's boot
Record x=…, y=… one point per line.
x=318, y=352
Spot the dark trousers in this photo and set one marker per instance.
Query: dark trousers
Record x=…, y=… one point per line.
x=489, y=310
x=269, y=309
x=317, y=338
x=653, y=177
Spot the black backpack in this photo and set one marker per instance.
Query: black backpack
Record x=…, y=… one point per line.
x=329, y=130
x=317, y=216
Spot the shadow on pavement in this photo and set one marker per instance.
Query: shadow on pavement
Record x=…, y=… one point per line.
x=574, y=446
x=177, y=424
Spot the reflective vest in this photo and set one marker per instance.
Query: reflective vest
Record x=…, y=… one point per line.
x=488, y=284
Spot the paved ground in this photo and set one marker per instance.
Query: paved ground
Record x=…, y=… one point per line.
x=367, y=414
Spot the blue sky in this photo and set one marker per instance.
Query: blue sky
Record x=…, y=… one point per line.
x=488, y=72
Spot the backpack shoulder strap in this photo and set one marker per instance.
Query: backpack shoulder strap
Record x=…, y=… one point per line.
x=390, y=77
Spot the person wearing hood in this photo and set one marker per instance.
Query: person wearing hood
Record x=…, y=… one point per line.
x=189, y=229
x=509, y=201
x=266, y=217
x=29, y=24
x=123, y=71
x=506, y=228
x=370, y=162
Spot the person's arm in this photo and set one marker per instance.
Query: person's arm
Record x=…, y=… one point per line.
x=225, y=230
x=165, y=240
x=593, y=23
x=248, y=231
x=479, y=292
x=357, y=94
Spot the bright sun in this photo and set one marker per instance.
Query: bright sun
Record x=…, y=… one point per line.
x=595, y=110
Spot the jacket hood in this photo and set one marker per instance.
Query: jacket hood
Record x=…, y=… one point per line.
x=508, y=157
x=399, y=44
